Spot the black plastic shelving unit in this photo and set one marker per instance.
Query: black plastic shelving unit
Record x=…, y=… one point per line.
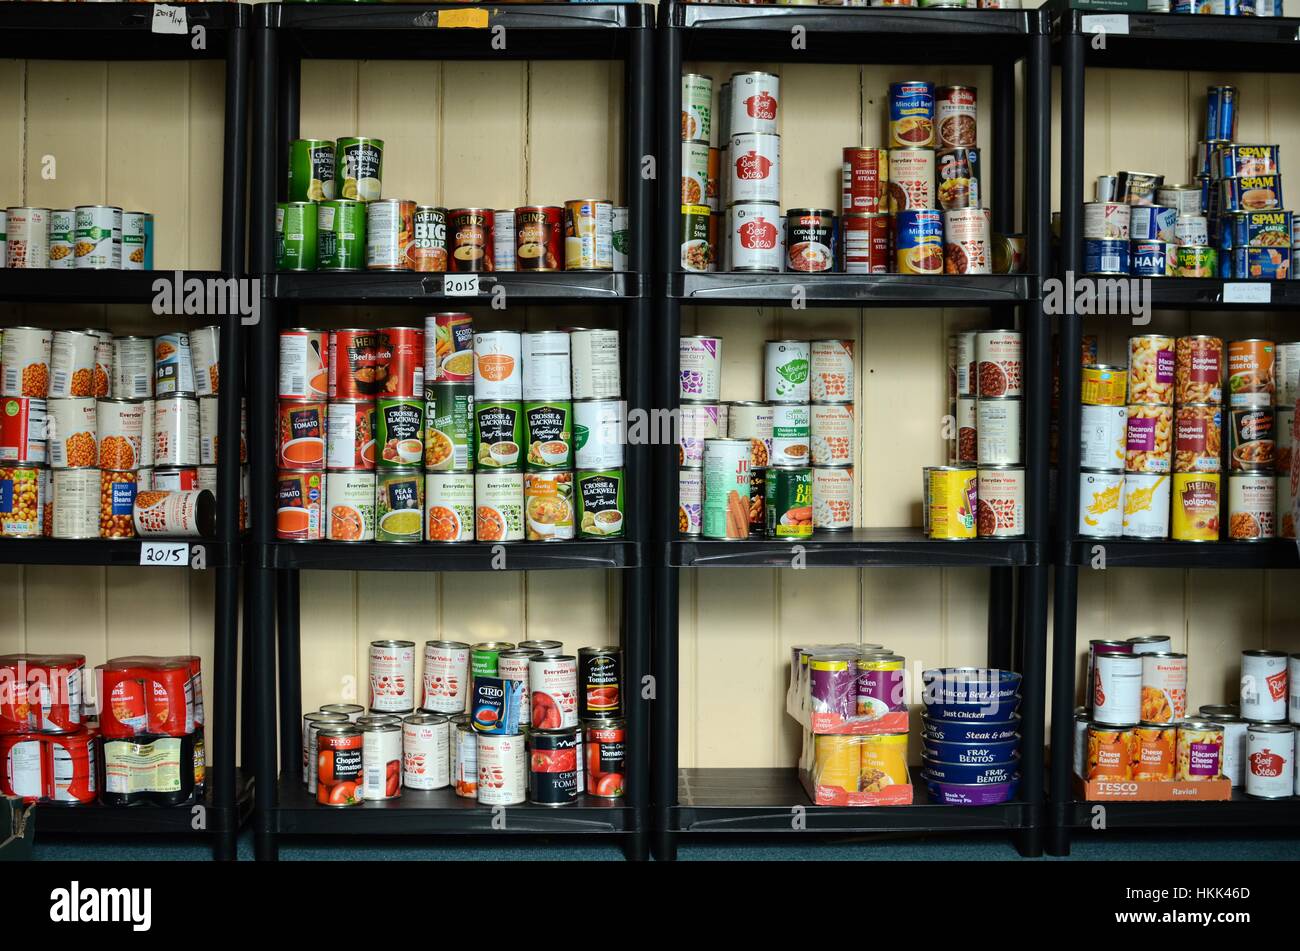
x=122, y=31
x=284, y=35
x=1162, y=42
x=760, y=800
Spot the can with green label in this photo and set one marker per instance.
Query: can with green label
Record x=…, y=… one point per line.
x=498, y=434
x=360, y=168
x=600, y=503
x=548, y=428
x=295, y=236
x=788, y=502
x=399, y=431
x=484, y=657
x=399, y=505
x=341, y=235
x=448, y=427
x=311, y=170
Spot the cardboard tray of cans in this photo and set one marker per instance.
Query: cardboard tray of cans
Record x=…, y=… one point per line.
x=1109, y=790
x=834, y=796
x=896, y=721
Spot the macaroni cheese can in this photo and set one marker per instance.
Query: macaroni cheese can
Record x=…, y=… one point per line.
x=1196, y=506
x=1151, y=361
x=426, y=751
x=1251, y=506
x=1270, y=758
x=449, y=506
x=446, y=676
x=952, y=501
x=1164, y=687
x=1146, y=505
x=1200, y=751
x=1101, y=498
x=350, y=495
x=1102, y=436
x=1155, y=752
x=1148, y=438
x=1116, y=688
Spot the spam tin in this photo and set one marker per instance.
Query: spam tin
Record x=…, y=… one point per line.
x=1234, y=161
x=969, y=774
x=1149, y=258
x=960, y=794
x=1257, y=229
x=1250, y=193
x=983, y=731
x=1265, y=264
x=496, y=705
x=972, y=754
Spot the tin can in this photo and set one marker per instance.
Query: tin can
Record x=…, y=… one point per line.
x=179, y=478
x=622, y=238
x=1146, y=505
x=189, y=514
x=865, y=180
x=205, y=359
x=605, y=748
x=911, y=179
x=1251, y=506
x=786, y=365
x=967, y=430
x=512, y=665
x=302, y=435
x=499, y=497
x=297, y=238
x=446, y=676
x=426, y=743
x=359, y=168
x=1137, y=188
x=963, y=364
x=1106, y=256
x=120, y=426
x=598, y=427
x=998, y=422
x=553, y=766
x=311, y=169
x=1195, y=261
x=427, y=251
x=390, y=234
x=539, y=232
x=918, y=246
x=999, y=356
x=464, y=757
x=1107, y=220
x=392, y=676
x=548, y=506
x=1109, y=753
x=698, y=422
x=351, y=498
x=1116, y=688
x=77, y=513
x=1200, y=751
x=300, y=500
x=832, y=431
x=381, y=758
x=98, y=237
x=757, y=502
x=1152, y=223
x=600, y=503
x=546, y=365
x=1270, y=757
x=176, y=431
x=503, y=239
x=1252, y=438
x=1234, y=741
x=340, y=764
x=449, y=497
x=594, y=363
x=448, y=426
x=600, y=678
x=102, y=375
x=1150, y=259
x=958, y=181
x=689, y=496
x=497, y=372
x=968, y=241
x=810, y=239
x=953, y=502
x=1293, y=688
x=754, y=100
x=1104, y=385
x=309, y=720
x=448, y=348
x=1196, y=506
x=173, y=368
x=1155, y=752
x=695, y=173
x=399, y=504
x=1101, y=496
x=1151, y=644
x=698, y=233
x=726, y=489
x=788, y=503
x=133, y=366
x=70, y=428
x=589, y=235
x=700, y=373
x=1000, y=510
x=24, y=429
x=865, y=243
x=485, y=658
x=911, y=114
x=1198, y=369
x=72, y=363
x=399, y=431
x=832, y=371
x=756, y=236
x=697, y=107
x=1149, y=437
x=502, y=769
x=1264, y=686
x=1102, y=436
x=791, y=434
x=752, y=420
x=27, y=241
x=754, y=168
x=554, y=685
x=498, y=433
x=350, y=435
x=1164, y=687
x=1250, y=371
x=1197, y=437
x=955, y=116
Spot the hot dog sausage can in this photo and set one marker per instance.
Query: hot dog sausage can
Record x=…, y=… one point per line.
x=788, y=503
x=725, y=513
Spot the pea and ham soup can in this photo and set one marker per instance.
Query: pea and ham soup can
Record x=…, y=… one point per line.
x=399, y=504
x=726, y=489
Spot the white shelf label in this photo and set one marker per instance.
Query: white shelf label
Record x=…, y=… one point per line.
x=460, y=285
x=1116, y=23
x=169, y=19
x=165, y=554
x=1252, y=292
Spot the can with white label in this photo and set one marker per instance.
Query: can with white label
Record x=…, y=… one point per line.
x=832, y=371
x=503, y=239
x=1117, y=689
x=997, y=421
x=598, y=434
x=1102, y=436
x=205, y=358
x=72, y=433
x=497, y=373
x=1146, y=505
x=132, y=367
x=1264, y=686
x=426, y=751
x=98, y=237
x=698, y=422
x=502, y=769
x=77, y=499
x=381, y=759
x=72, y=363
x=446, y=676
x=546, y=372
x=1101, y=503
x=832, y=491
x=176, y=431
x=756, y=236
x=755, y=166
x=786, y=365
x=1293, y=688
x=689, y=495
x=832, y=434
x=594, y=363
x=1270, y=756
x=699, y=368
x=392, y=676
x=790, y=434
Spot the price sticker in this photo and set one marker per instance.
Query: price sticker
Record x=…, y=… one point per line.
x=1116, y=23
x=165, y=554
x=460, y=285
x=1252, y=292
x=168, y=19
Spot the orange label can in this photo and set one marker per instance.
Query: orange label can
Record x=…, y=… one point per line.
x=302, y=434
x=1154, y=749
x=1110, y=753
x=300, y=500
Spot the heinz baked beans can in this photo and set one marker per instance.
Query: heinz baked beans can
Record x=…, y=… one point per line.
x=756, y=236
x=1251, y=506
x=426, y=751
x=726, y=489
x=350, y=495
x=953, y=501
x=1195, y=506
x=589, y=234
x=446, y=676
x=449, y=501
x=1101, y=503
x=499, y=500
x=1146, y=505
x=755, y=98
x=786, y=365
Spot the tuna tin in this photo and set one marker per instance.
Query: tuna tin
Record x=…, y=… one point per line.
x=499, y=501
x=600, y=500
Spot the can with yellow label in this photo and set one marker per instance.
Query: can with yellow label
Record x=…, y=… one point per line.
x=952, y=501
x=1196, y=507
x=836, y=762
x=1105, y=385
x=883, y=762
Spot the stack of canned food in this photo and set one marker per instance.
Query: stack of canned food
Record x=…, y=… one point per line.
x=1232, y=223
x=90, y=237
x=135, y=739
x=980, y=493
x=971, y=737
x=781, y=467
x=1152, y=440
x=335, y=220
x=923, y=4
x=514, y=436
x=497, y=723
x=1136, y=723
x=908, y=209
x=1232, y=8
x=109, y=437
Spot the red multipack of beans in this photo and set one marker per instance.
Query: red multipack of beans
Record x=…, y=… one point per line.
x=51, y=767
x=40, y=693
x=142, y=695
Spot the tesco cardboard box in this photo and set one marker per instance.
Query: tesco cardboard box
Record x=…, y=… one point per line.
x=1109, y=790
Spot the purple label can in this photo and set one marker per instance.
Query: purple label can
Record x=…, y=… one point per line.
x=880, y=684
x=833, y=683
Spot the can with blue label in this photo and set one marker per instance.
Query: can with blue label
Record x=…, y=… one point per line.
x=911, y=114
x=1221, y=112
x=1265, y=264
x=1149, y=258
x=1258, y=229
x=919, y=242
x=1105, y=256
x=1152, y=223
x=117, y=490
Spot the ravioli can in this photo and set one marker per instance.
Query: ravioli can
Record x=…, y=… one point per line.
x=1196, y=506
x=399, y=504
x=1109, y=754
x=499, y=506
x=1101, y=503
x=1155, y=752
x=952, y=499
x=449, y=501
x=1251, y=506
x=1146, y=505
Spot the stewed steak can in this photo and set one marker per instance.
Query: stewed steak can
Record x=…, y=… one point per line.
x=865, y=180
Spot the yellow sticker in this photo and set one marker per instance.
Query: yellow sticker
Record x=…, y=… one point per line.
x=474, y=18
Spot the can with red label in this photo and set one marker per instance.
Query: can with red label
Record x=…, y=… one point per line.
x=429, y=247
x=304, y=362
x=755, y=97
x=470, y=240
x=73, y=765
x=756, y=236
x=22, y=429
x=600, y=677
x=302, y=434
x=351, y=364
x=554, y=685
x=398, y=359
x=605, y=744
x=1270, y=759
x=865, y=180
x=1264, y=686
x=339, y=764
x=176, y=431
x=539, y=238
x=300, y=502
x=865, y=243
x=446, y=676
x=1252, y=438
x=955, y=117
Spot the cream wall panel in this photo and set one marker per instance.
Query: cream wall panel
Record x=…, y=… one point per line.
x=329, y=633
x=13, y=79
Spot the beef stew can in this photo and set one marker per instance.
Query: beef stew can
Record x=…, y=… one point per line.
x=756, y=236
x=754, y=100
x=754, y=167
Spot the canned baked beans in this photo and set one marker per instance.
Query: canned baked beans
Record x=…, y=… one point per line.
x=189, y=514
x=133, y=367
x=71, y=433
x=865, y=243
x=25, y=355
x=1196, y=506
x=300, y=499
x=1155, y=752
x=117, y=494
x=120, y=427
x=23, y=489
x=173, y=368
x=1200, y=751
x=390, y=234
x=1250, y=371
x=1104, y=385
x=1198, y=369
x=1251, y=506
x=1146, y=505
x=77, y=513
x=205, y=356
x=865, y=180
x=72, y=363
x=751, y=420
x=1164, y=687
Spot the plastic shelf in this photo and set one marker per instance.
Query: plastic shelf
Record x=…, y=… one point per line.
x=92, y=287
x=885, y=290
x=97, y=551
x=112, y=31
x=100, y=820
x=859, y=548
x=1241, y=811
x=471, y=556
x=1131, y=553
x=355, y=287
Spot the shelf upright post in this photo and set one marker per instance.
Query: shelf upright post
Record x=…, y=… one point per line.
x=668, y=326
x=262, y=433
x=1066, y=593
x=226, y=595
